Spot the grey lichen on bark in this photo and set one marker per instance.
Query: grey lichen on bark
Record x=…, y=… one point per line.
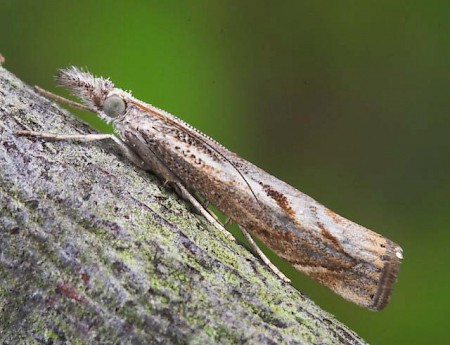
x=94, y=250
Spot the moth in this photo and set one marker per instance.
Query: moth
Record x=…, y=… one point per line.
x=353, y=261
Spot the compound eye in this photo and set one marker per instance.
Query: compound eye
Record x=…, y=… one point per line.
x=114, y=106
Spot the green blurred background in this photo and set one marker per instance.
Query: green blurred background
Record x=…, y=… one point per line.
x=347, y=101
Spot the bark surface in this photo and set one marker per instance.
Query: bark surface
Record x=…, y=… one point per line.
x=94, y=250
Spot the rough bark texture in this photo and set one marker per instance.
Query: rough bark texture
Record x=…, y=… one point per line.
x=93, y=250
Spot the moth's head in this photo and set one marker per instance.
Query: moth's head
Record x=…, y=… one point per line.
x=97, y=93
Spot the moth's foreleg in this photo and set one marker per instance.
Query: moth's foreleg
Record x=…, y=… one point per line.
x=159, y=169
x=127, y=152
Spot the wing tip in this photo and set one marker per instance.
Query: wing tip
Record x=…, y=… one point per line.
x=392, y=260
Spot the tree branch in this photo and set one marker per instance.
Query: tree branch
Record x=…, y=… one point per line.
x=94, y=250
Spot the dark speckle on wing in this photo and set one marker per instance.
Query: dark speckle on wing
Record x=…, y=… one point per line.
x=280, y=199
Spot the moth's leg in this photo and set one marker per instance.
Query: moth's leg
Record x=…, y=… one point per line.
x=186, y=195
x=155, y=165
x=222, y=227
x=158, y=167
x=263, y=257
x=165, y=174
x=89, y=137
x=228, y=221
x=161, y=170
